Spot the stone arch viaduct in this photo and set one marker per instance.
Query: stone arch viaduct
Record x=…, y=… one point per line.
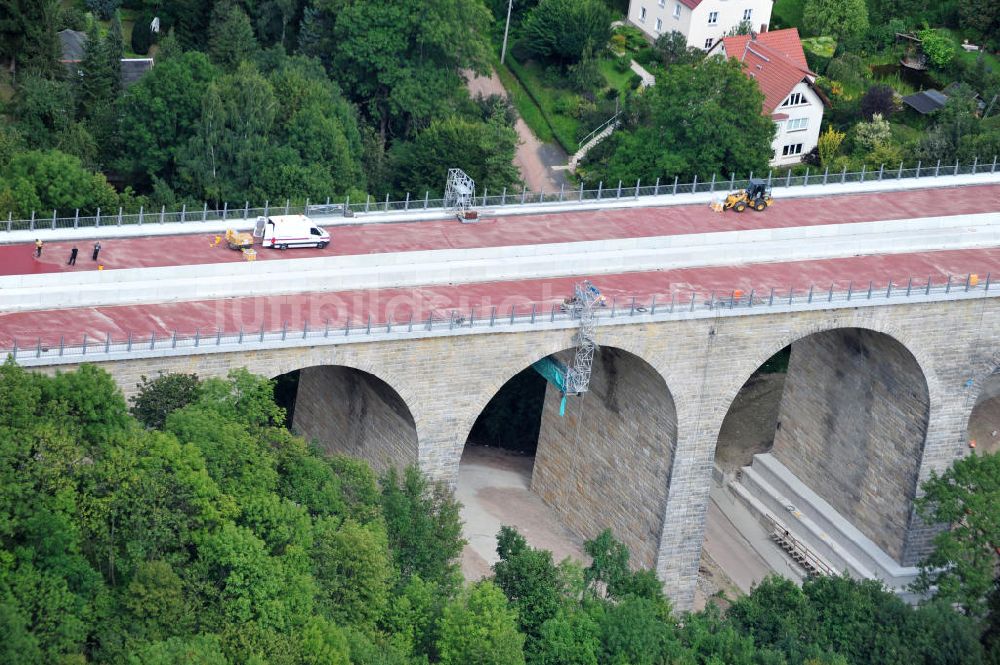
x=636, y=453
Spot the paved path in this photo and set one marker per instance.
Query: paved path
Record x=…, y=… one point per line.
x=398, y=304
x=534, y=159
x=560, y=227
x=494, y=488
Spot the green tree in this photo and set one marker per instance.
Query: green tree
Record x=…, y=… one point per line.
x=399, y=65
x=672, y=49
x=47, y=180
x=157, y=398
x=479, y=627
x=28, y=36
x=202, y=649
x=156, y=602
x=105, y=9
x=560, y=30
x=160, y=113
x=938, y=47
x=186, y=18
x=529, y=579
x=980, y=16
x=697, y=120
x=570, y=637
x=423, y=525
x=485, y=151
x=352, y=569
x=963, y=563
x=635, y=631
x=230, y=38
x=837, y=18
x=882, y=11
x=43, y=109
x=231, y=143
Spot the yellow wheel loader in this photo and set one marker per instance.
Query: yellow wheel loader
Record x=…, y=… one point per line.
x=757, y=195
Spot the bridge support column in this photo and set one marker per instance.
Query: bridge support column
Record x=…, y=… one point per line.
x=683, y=533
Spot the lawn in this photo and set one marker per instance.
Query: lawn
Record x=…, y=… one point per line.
x=525, y=105
x=787, y=14
x=616, y=79
x=555, y=105
x=970, y=57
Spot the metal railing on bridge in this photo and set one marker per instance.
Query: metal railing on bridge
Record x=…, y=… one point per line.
x=348, y=208
x=59, y=349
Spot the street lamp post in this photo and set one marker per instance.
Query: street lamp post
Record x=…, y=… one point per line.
x=503, y=50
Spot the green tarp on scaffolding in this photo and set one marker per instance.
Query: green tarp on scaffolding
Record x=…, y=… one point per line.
x=555, y=373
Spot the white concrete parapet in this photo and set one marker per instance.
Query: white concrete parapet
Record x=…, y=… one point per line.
x=488, y=264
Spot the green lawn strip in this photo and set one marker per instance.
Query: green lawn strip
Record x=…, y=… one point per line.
x=525, y=105
x=616, y=79
x=563, y=127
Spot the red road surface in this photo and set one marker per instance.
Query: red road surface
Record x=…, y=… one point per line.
x=231, y=314
x=515, y=230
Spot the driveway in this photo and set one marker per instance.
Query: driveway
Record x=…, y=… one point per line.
x=533, y=159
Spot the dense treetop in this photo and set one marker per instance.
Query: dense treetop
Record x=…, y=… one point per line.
x=193, y=527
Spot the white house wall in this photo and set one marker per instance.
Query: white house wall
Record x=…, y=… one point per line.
x=730, y=16
x=812, y=110
x=662, y=11
x=693, y=24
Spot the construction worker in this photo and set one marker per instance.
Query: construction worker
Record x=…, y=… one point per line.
x=38, y=248
x=97, y=249
x=72, y=256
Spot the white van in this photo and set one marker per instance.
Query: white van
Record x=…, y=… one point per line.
x=284, y=231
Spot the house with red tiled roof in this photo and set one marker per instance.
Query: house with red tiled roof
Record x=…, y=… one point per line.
x=702, y=22
x=776, y=61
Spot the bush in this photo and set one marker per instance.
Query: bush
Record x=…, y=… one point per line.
x=585, y=75
x=562, y=30
x=104, y=9
x=622, y=64
x=646, y=57
x=567, y=104
x=71, y=18
x=938, y=48
x=879, y=99
x=848, y=69
x=142, y=36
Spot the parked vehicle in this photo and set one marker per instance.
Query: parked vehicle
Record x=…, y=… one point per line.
x=284, y=231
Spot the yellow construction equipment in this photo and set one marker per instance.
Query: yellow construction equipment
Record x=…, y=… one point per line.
x=237, y=240
x=757, y=195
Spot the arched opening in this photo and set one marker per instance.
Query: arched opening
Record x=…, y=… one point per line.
x=817, y=462
x=564, y=477
x=347, y=411
x=984, y=421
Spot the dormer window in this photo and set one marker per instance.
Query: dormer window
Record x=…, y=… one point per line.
x=794, y=99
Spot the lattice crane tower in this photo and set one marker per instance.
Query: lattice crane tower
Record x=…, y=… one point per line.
x=586, y=297
x=459, y=190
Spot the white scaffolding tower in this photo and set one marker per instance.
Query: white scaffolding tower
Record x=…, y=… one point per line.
x=459, y=193
x=585, y=298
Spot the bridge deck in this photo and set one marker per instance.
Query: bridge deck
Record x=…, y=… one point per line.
x=232, y=314
x=559, y=227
